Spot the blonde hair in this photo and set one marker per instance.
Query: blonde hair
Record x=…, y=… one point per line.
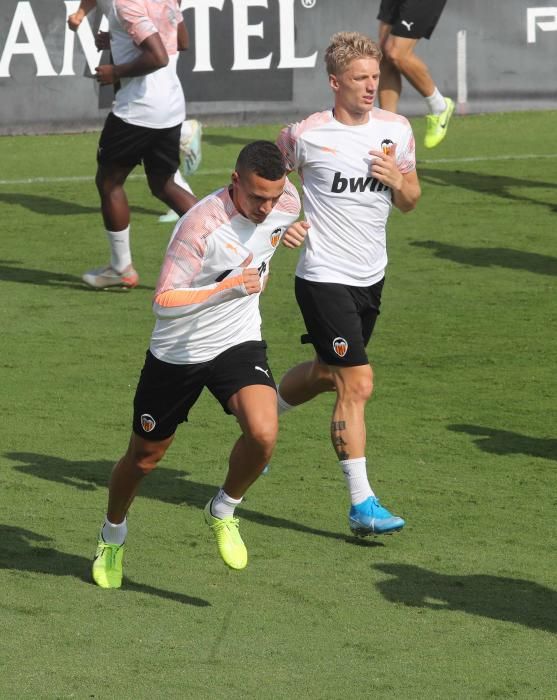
x=347, y=46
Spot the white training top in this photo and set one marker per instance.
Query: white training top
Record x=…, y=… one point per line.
x=155, y=100
x=346, y=207
x=201, y=304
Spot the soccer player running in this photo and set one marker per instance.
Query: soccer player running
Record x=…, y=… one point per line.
x=190, y=131
x=208, y=334
x=355, y=161
x=402, y=23
x=144, y=124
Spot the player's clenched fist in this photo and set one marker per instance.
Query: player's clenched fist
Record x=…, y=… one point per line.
x=295, y=234
x=251, y=279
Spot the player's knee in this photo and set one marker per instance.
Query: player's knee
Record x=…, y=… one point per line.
x=146, y=457
x=395, y=55
x=358, y=390
x=263, y=435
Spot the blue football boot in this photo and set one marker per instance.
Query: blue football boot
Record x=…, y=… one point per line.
x=370, y=518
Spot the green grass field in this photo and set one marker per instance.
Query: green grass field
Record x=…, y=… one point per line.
x=461, y=442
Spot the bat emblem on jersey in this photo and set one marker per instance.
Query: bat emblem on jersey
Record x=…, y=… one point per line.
x=340, y=346
x=386, y=146
x=148, y=423
x=275, y=237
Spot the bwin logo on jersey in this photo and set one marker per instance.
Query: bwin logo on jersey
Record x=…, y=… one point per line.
x=275, y=236
x=356, y=184
x=340, y=346
x=148, y=423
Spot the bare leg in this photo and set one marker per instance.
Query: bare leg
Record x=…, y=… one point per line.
x=305, y=381
x=390, y=81
x=141, y=457
x=114, y=202
x=165, y=188
x=399, y=52
x=354, y=386
x=255, y=407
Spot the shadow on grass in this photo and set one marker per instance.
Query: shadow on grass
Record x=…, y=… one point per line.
x=497, y=185
x=9, y=272
x=164, y=484
x=60, y=207
x=511, y=600
x=492, y=257
x=24, y=550
x=503, y=442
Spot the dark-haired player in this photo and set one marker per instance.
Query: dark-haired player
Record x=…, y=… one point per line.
x=208, y=334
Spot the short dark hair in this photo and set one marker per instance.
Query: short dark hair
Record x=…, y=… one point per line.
x=262, y=158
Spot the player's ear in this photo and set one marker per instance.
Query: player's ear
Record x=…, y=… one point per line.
x=333, y=82
x=235, y=177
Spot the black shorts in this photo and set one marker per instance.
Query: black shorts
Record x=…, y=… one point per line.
x=166, y=392
x=412, y=19
x=339, y=319
x=126, y=144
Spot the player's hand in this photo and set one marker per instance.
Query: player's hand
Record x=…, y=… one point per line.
x=384, y=168
x=102, y=41
x=295, y=234
x=106, y=74
x=251, y=279
x=75, y=20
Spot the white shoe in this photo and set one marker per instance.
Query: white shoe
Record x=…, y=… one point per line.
x=103, y=277
x=190, y=146
x=169, y=218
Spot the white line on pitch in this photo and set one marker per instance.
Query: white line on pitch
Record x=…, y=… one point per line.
x=224, y=171
x=477, y=159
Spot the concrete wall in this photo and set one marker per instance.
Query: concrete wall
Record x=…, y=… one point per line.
x=262, y=60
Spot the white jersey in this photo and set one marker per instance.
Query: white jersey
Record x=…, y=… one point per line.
x=201, y=304
x=346, y=207
x=155, y=100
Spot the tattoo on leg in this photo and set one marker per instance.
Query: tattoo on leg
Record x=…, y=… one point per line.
x=338, y=442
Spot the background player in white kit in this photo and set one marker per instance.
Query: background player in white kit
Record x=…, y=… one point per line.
x=208, y=334
x=144, y=124
x=190, y=131
x=355, y=162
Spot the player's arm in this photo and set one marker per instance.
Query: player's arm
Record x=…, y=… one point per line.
x=183, y=37
x=75, y=19
x=405, y=187
x=176, y=293
x=153, y=56
x=406, y=197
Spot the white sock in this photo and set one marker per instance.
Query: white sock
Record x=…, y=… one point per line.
x=356, y=479
x=436, y=102
x=223, y=505
x=283, y=405
x=120, y=253
x=114, y=534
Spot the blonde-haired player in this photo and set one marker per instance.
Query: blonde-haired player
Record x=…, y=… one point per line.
x=355, y=161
